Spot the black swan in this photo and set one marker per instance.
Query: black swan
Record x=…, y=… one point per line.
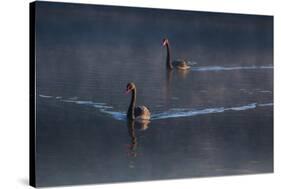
x=179, y=64
x=136, y=113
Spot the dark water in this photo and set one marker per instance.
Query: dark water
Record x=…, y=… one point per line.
x=214, y=120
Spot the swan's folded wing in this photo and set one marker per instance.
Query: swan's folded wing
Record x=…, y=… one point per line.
x=181, y=64
x=142, y=112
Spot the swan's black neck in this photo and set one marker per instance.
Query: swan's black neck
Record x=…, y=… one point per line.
x=168, y=58
x=131, y=113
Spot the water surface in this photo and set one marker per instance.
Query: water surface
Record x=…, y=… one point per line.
x=213, y=120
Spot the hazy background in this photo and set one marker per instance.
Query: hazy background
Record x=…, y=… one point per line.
x=19, y=32
x=86, y=56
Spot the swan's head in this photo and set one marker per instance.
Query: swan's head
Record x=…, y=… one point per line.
x=130, y=87
x=165, y=42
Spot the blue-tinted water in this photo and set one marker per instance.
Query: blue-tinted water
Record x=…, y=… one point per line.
x=215, y=119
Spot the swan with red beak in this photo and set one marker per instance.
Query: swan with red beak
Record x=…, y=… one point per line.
x=178, y=64
x=136, y=112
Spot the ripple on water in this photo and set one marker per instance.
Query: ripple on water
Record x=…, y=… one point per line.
x=171, y=113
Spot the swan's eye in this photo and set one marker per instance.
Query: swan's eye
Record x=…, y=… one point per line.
x=130, y=86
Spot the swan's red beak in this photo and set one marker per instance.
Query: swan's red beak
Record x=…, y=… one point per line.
x=127, y=91
x=165, y=41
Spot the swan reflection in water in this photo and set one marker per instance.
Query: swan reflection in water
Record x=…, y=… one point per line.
x=172, y=77
x=182, y=74
x=133, y=144
x=132, y=125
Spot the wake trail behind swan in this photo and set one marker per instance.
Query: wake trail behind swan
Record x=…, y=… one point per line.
x=231, y=68
x=171, y=113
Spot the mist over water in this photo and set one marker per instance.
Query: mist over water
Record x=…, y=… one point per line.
x=215, y=119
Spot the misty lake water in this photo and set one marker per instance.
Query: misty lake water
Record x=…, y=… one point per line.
x=213, y=120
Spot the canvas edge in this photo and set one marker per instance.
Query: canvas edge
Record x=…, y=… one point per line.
x=65, y=2
x=32, y=104
x=32, y=81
